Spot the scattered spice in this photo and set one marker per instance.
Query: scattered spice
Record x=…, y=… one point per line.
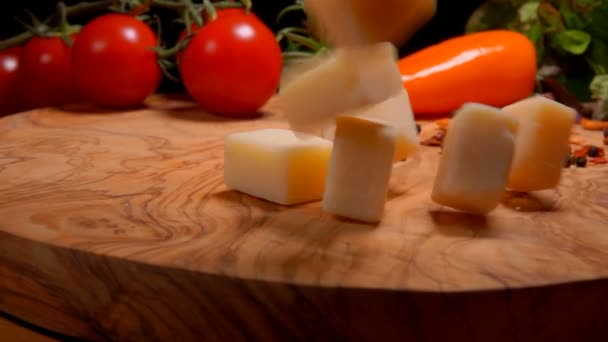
x=593, y=151
x=434, y=139
x=418, y=128
x=589, y=150
x=581, y=161
x=594, y=125
x=443, y=123
x=598, y=161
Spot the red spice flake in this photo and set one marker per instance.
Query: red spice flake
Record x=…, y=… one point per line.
x=598, y=160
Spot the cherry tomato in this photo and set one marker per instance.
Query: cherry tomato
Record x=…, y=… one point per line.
x=9, y=69
x=114, y=63
x=232, y=66
x=45, y=77
x=194, y=28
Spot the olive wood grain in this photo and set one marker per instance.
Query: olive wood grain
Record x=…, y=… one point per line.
x=118, y=226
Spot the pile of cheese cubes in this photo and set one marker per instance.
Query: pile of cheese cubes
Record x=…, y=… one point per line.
x=351, y=119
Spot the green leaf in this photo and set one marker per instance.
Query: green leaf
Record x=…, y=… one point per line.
x=528, y=12
x=599, y=87
x=599, y=92
x=575, y=42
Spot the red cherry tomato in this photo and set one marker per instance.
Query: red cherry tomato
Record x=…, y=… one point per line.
x=9, y=69
x=45, y=77
x=194, y=28
x=232, y=66
x=114, y=63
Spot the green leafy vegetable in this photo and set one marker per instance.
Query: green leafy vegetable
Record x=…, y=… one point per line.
x=569, y=35
x=573, y=41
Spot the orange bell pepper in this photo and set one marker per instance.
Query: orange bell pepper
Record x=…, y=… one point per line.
x=496, y=67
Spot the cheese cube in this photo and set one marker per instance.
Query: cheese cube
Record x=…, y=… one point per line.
x=395, y=111
x=542, y=142
x=476, y=159
x=360, y=169
x=354, y=22
x=345, y=79
x=277, y=165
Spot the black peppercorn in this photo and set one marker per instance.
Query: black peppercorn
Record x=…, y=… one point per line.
x=418, y=128
x=581, y=161
x=593, y=151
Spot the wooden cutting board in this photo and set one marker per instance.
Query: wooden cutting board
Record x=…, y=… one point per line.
x=118, y=226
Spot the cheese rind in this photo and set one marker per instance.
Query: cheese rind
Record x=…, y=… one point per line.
x=542, y=142
x=358, y=22
x=344, y=80
x=476, y=159
x=277, y=165
x=396, y=111
x=360, y=169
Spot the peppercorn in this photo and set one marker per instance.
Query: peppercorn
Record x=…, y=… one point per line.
x=418, y=128
x=581, y=161
x=593, y=151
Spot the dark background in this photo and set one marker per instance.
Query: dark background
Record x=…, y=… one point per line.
x=449, y=20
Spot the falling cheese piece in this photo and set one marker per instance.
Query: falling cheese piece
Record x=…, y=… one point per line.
x=358, y=22
x=346, y=79
x=360, y=169
x=395, y=111
x=277, y=165
x=476, y=159
x=542, y=142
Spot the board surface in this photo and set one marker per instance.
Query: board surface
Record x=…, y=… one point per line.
x=96, y=205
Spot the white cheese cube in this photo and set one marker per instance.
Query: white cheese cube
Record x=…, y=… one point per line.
x=476, y=159
x=360, y=169
x=354, y=22
x=542, y=142
x=396, y=111
x=277, y=165
x=344, y=80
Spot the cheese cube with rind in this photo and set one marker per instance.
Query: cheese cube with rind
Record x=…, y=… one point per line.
x=277, y=165
x=360, y=169
x=346, y=79
x=396, y=111
x=476, y=159
x=542, y=142
x=359, y=22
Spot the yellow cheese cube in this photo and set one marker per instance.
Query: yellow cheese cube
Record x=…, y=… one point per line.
x=395, y=111
x=542, y=142
x=345, y=79
x=476, y=159
x=360, y=169
x=277, y=165
x=353, y=22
